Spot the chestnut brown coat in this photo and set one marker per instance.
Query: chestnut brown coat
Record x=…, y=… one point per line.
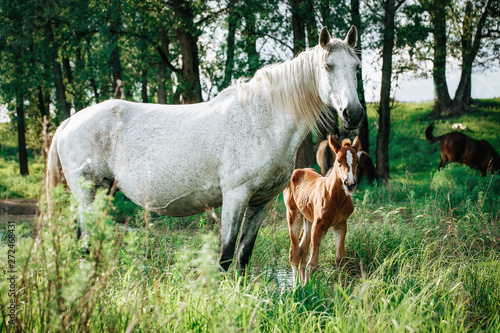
x=315, y=204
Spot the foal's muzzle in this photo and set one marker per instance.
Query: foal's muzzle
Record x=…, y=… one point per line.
x=350, y=187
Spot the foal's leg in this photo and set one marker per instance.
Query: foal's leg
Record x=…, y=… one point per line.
x=319, y=230
x=340, y=244
x=254, y=215
x=295, y=227
x=234, y=204
x=305, y=241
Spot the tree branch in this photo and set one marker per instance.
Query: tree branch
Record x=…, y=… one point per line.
x=399, y=4
x=164, y=58
x=279, y=41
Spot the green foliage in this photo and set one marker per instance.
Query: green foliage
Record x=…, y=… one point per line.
x=404, y=272
x=422, y=255
x=12, y=184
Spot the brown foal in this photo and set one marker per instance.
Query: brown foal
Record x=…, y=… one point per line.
x=315, y=203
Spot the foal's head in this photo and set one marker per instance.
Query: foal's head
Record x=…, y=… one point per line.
x=346, y=161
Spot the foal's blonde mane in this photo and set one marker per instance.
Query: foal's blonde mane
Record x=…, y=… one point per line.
x=292, y=86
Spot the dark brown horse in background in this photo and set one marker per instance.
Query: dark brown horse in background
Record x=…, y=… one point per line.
x=460, y=148
x=325, y=158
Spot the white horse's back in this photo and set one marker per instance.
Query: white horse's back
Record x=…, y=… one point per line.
x=154, y=152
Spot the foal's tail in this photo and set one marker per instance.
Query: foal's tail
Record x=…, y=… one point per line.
x=54, y=174
x=430, y=137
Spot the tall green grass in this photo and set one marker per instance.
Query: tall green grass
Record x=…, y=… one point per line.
x=413, y=264
x=423, y=254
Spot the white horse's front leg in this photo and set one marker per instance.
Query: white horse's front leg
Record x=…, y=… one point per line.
x=254, y=215
x=234, y=203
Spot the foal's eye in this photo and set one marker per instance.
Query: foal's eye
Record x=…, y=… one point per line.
x=329, y=67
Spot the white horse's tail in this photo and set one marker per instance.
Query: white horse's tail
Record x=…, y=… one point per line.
x=54, y=174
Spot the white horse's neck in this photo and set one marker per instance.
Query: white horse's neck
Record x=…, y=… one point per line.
x=290, y=87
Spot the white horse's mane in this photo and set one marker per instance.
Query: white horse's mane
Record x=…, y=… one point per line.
x=292, y=86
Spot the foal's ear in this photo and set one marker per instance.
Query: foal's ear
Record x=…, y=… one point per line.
x=356, y=144
x=324, y=38
x=352, y=37
x=334, y=145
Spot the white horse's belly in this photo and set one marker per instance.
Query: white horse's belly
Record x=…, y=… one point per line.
x=189, y=203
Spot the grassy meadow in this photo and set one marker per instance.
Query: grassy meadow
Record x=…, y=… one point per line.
x=423, y=254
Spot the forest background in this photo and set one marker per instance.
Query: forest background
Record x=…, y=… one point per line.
x=57, y=57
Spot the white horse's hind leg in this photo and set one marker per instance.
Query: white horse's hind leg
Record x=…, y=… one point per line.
x=84, y=195
x=254, y=215
x=233, y=208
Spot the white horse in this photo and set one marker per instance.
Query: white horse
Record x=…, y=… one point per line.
x=236, y=151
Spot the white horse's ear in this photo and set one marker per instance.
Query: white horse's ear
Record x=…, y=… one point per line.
x=352, y=37
x=334, y=145
x=324, y=37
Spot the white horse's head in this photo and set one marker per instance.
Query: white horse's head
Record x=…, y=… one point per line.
x=337, y=77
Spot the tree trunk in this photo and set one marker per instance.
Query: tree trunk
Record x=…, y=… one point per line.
x=162, y=67
x=298, y=27
x=21, y=136
x=67, y=69
x=114, y=58
x=363, y=131
x=250, y=35
x=232, y=22
x=90, y=64
x=64, y=111
x=44, y=120
x=144, y=88
x=442, y=100
x=61, y=92
x=69, y=79
x=93, y=84
x=41, y=103
x=470, y=43
x=385, y=92
x=325, y=13
x=305, y=155
x=190, y=75
x=80, y=92
x=311, y=25
x=461, y=101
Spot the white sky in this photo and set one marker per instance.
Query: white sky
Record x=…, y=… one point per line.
x=4, y=117
x=485, y=83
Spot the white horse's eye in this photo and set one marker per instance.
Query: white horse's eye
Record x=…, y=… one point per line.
x=329, y=67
